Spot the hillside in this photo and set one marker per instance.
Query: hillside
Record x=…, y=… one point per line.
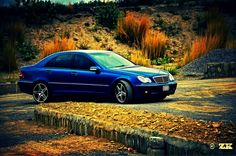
x=181, y=25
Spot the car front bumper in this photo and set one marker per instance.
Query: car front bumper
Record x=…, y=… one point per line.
x=154, y=89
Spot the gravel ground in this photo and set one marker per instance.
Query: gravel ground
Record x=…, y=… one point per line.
x=197, y=67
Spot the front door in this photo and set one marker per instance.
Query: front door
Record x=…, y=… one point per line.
x=85, y=80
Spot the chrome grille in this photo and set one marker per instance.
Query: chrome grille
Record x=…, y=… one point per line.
x=161, y=79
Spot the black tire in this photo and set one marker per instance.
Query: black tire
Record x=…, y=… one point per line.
x=40, y=92
x=123, y=92
x=161, y=97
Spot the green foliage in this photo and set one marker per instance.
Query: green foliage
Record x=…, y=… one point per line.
x=161, y=61
x=173, y=71
x=67, y=34
x=38, y=12
x=107, y=15
x=97, y=38
x=200, y=24
x=8, y=61
x=27, y=50
x=137, y=2
x=84, y=45
x=171, y=29
x=11, y=31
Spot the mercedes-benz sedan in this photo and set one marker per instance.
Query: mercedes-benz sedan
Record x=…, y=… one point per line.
x=94, y=72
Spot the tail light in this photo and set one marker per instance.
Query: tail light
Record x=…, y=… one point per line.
x=21, y=75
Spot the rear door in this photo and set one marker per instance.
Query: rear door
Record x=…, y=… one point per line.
x=59, y=73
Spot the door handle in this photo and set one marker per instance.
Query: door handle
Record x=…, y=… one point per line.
x=48, y=71
x=74, y=73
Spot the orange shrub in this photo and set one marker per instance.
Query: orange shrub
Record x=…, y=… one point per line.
x=133, y=27
x=201, y=46
x=153, y=44
x=57, y=45
x=217, y=35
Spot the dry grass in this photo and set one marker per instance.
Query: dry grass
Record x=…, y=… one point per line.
x=138, y=58
x=133, y=28
x=57, y=45
x=153, y=44
x=217, y=35
x=201, y=46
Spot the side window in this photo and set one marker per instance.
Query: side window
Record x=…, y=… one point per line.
x=61, y=61
x=82, y=62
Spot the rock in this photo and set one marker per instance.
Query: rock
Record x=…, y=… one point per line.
x=156, y=142
x=231, y=132
x=216, y=125
x=130, y=149
x=75, y=38
x=154, y=152
x=198, y=66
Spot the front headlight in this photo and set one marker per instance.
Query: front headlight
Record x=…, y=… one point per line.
x=144, y=79
x=171, y=78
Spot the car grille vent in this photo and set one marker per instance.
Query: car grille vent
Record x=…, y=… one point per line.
x=161, y=79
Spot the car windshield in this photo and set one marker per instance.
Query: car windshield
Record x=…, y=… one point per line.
x=111, y=60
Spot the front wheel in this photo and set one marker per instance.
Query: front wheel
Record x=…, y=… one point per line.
x=161, y=97
x=40, y=92
x=123, y=92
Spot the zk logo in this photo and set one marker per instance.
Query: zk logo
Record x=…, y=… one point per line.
x=226, y=146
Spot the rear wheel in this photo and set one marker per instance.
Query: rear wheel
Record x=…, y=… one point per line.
x=40, y=92
x=123, y=92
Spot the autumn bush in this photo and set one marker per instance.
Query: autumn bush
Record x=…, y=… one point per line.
x=58, y=44
x=154, y=44
x=133, y=27
x=217, y=35
x=201, y=46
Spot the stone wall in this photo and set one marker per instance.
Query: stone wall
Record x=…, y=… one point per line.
x=148, y=142
x=220, y=69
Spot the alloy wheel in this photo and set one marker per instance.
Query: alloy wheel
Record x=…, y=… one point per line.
x=40, y=93
x=121, y=93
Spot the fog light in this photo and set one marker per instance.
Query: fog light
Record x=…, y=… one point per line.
x=146, y=92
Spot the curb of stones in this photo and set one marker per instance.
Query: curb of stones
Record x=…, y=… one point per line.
x=149, y=142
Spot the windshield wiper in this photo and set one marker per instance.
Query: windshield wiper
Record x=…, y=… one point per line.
x=120, y=66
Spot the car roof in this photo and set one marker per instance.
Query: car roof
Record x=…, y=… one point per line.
x=86, y=51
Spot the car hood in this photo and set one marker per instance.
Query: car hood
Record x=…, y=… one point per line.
x=144, y=71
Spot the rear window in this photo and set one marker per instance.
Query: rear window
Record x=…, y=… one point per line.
x=61, y=61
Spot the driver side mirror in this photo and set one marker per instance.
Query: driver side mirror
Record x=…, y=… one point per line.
x=95, y=69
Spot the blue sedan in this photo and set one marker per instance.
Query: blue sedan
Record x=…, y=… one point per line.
x=94, y=72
